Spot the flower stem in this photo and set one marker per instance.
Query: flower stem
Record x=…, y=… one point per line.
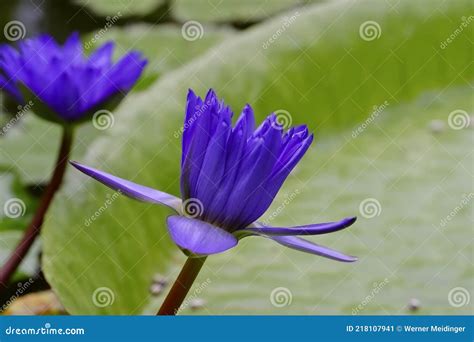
x=181, y=286
x=33, y=230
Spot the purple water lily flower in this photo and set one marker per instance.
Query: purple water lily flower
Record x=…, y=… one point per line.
x=64, y=84
x=229, y=177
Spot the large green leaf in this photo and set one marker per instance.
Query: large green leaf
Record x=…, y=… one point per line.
x=322, y=72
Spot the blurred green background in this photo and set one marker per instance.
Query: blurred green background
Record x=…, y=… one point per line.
x=386, y=85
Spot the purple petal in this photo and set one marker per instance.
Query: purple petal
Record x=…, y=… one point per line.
x=199, y=237
x=311, y=229
x=102, y=57
x=130, y=189
x=300, y=244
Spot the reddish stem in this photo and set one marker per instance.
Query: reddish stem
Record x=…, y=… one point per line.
x=33, y=230
x=181, y=286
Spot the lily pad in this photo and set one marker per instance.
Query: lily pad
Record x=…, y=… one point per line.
x=230, y=10
x=322, y=71
x=126, y=8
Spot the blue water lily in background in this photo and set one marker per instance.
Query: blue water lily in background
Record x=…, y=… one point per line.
x=65, y=85
x=229, y=177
